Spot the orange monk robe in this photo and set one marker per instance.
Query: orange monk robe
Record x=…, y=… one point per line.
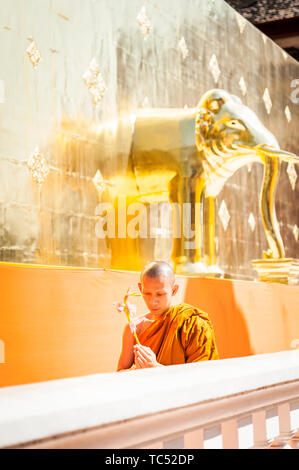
x=182, y=334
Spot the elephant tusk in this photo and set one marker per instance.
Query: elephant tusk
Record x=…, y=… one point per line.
x=277, y=153
x=237, y=150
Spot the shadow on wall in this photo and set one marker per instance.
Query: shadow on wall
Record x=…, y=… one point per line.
x=218, y=300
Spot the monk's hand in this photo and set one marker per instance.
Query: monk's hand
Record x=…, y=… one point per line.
x=144, y=357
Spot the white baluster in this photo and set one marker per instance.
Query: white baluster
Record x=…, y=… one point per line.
x=155, y=445
x=230, y=436
x=212, y=437
x=245, y=431
x=294, y=441
x=284, y=427
x=194, y=439
x=176, y=443
x=259, y=430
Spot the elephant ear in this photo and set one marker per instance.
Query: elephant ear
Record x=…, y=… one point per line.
x=203, y=123
x=237, y=99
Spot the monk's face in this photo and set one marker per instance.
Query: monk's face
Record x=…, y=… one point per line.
x=157, y=293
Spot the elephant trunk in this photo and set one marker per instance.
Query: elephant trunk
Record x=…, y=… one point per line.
x=267, y=207
x=272, y=158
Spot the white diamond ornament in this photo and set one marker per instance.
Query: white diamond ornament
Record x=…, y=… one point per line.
x=214, y=68
x=243, y=86
x=224, y=215
x=287, y=113
x=251, y=221
x=267, y=100
x=33, y=53
x=94, y=82
x=182, y=47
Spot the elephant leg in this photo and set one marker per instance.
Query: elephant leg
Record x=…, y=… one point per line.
x=267, y=207
x=198, y=220
x=209, y=231
x=180, y=197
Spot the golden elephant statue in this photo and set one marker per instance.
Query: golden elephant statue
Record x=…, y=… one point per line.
x=187, y=155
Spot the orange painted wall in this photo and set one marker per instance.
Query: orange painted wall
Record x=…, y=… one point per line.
x=60, y=322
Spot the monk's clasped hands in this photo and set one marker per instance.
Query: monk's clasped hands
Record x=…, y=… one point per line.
x=144, y=357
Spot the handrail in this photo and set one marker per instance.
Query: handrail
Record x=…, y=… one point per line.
x=130, y=409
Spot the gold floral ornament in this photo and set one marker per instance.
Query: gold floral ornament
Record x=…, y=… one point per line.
x=129, y=310
x=241, y=22
x=243, y=86
x=38, y=166
x=33, y=53
x=100, y=183
x=144, y=23
x=94, y=81
x=292, y=174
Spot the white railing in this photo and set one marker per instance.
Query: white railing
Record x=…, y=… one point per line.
x=246, y=402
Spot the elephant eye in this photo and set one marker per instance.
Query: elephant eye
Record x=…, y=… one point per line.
x=234, y=124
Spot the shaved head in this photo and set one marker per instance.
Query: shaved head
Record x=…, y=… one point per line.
x=156, y=269
x=157, y=286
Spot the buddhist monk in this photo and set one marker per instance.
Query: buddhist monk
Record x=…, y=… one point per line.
x=169, y=334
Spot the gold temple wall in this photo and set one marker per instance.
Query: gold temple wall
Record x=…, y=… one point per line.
x=51, y=108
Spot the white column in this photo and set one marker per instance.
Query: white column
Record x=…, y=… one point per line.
x=194, y=439
x=230, y=436
x=260, y=440
x=284, y=427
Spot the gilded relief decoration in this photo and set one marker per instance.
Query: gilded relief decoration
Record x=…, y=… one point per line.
x=33, y=53
x=228, y=135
